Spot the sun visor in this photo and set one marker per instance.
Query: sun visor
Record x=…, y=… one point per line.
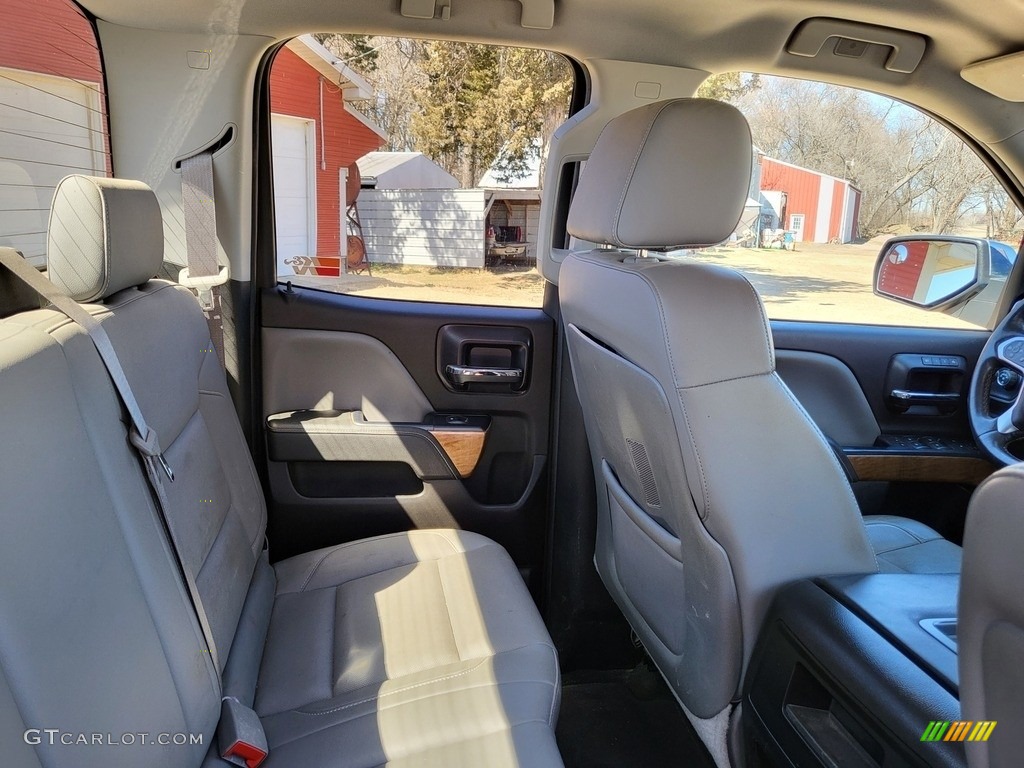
x=1002, y=76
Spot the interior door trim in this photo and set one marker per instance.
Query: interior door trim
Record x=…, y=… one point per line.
x=922, y=469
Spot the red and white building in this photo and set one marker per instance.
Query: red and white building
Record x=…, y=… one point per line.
x=51, y=113
x=816, y=207
x=316, y=134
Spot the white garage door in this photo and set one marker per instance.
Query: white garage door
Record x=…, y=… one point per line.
x=294, y=189
x=52, y=127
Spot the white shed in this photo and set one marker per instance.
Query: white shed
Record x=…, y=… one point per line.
x=403, y=170
x=427, y=227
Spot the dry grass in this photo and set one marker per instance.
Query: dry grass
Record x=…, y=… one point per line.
x=828, y=283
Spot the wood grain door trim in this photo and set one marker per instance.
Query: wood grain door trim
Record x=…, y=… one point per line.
x=901, y=467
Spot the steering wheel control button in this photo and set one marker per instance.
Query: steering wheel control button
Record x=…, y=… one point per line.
x=1007, y=378
x=1013, y=352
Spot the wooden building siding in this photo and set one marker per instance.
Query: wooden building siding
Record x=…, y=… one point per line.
x=855, y=217
x=295, y=91
x=51, y=37
x=830, y=206
x=840, y=189
x=802, y=190
x=826, y=200
x=427, y=227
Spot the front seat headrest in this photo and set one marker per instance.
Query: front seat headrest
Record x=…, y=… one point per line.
x=669, y=175
x=105, y=235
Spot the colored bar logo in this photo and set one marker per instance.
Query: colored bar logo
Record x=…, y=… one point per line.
x=958, y=730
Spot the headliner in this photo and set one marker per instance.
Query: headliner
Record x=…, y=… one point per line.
x=710, y=35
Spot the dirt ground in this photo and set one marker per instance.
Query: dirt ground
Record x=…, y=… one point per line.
x=829, y=283
x=506, y=285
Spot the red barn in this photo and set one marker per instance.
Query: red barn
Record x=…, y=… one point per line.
x=901, y=271
x=316, y=135
x=818, y=208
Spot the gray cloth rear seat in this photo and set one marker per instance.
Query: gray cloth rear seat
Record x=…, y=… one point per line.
x=419, y=648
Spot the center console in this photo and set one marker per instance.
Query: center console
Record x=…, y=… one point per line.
x=851, y=670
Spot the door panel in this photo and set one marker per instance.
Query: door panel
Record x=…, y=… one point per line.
x=922, y=461
x=868, y=350
x=324, y=370
x=367, y=432
x=831, y=395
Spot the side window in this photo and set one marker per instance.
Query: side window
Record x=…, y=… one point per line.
x=53, y=119
x=837, y=172
x=412, y=169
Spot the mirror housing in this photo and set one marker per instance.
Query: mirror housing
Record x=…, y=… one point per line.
x=934, y=272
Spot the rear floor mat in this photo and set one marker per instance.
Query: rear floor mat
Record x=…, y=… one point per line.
x=625, y=717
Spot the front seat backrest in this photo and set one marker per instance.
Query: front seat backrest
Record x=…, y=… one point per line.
x=990, y=628
x=714, y=486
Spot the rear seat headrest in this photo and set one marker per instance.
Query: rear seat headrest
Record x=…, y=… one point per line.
x=105, y=235
x=669, y=175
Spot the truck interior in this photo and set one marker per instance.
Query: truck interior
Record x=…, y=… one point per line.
x=275, y=491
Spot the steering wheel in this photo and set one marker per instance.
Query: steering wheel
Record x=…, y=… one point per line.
x=1002, y=358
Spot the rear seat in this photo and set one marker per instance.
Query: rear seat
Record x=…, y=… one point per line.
x=420, y=648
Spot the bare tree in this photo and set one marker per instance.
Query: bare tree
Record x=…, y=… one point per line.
x=952, y=185
x=912, y=171
x=393, y=66
x=1002, y=218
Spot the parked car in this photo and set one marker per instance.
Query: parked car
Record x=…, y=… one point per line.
x=1002, y=258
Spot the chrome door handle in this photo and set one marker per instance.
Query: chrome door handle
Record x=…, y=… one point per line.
x=924, y=398
x=464, y=374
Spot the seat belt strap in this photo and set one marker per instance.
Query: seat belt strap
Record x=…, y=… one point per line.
x=203, y=274
x=142, y=437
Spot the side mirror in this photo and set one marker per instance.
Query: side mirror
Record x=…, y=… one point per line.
x=934, y=272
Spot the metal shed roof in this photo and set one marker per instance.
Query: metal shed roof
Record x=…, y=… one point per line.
x=404, y=170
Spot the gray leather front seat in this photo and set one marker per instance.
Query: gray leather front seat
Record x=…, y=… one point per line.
x=990, y=629
x=714, y=486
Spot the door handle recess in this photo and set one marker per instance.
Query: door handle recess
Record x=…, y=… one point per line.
x=465, y=374
x=491, y=359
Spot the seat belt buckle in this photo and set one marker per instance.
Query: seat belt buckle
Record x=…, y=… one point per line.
x=149, y=447
x=204, y=285
x=240, y=735
x=166, y=467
